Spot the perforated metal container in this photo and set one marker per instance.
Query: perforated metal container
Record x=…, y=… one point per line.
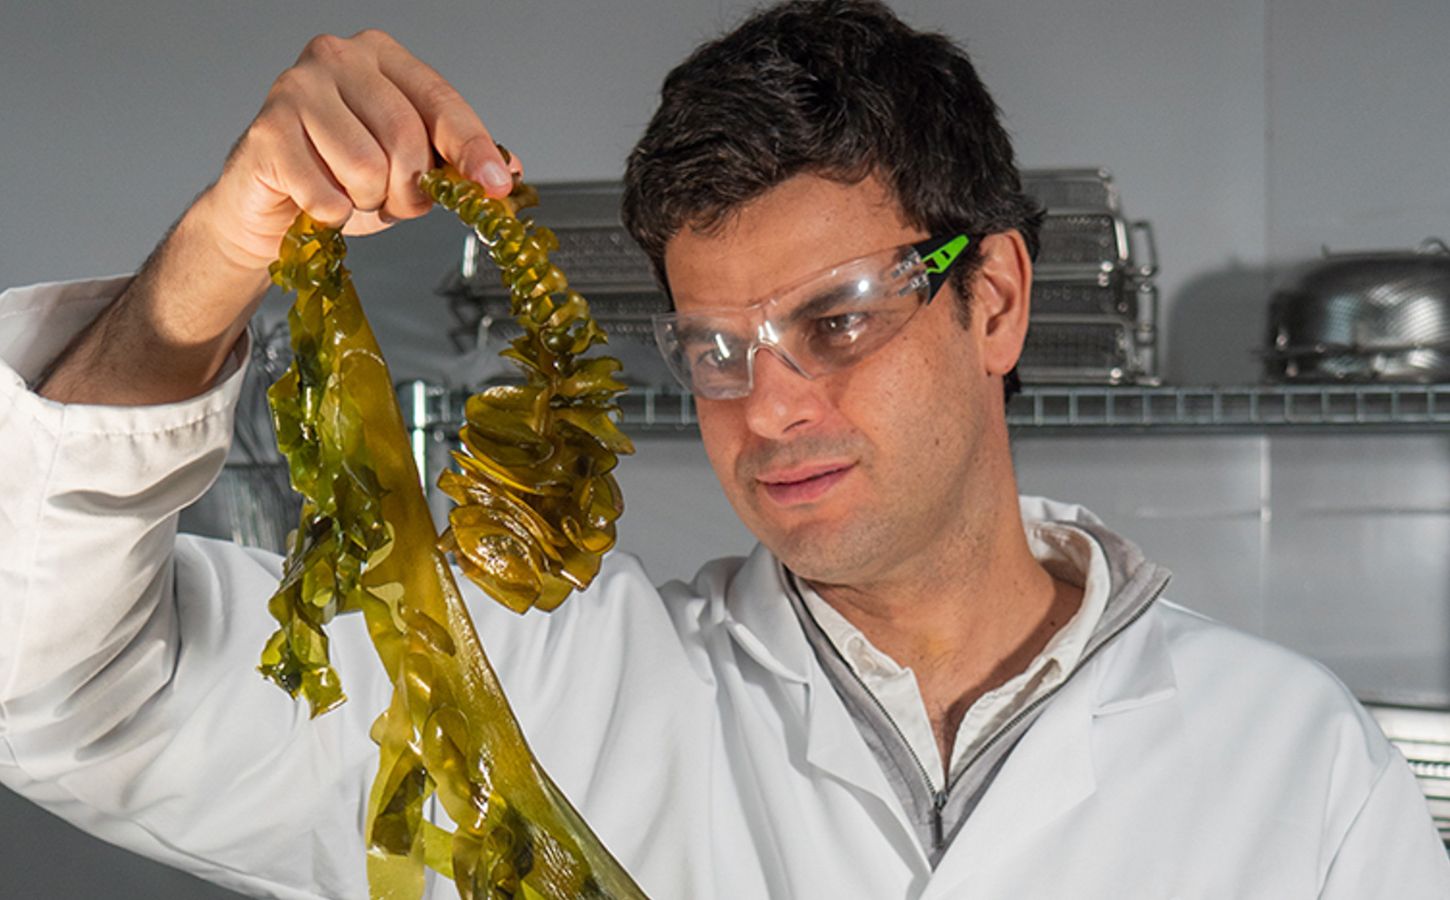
x=1094, y=302
x=600, y=258
x=1104, y=294
x=1080, y=350
x=1060, y=188
x=1093, y=263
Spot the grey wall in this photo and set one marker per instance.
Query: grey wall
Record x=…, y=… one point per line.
x=1249, y=131
x=1335, y=545
x=1359, y=145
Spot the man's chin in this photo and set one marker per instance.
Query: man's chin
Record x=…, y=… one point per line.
x=818, y=551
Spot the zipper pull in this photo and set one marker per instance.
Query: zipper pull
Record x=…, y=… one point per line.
x=938, y=803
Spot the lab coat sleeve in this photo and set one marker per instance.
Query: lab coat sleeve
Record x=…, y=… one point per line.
x=129, y=698
x=1389, y=851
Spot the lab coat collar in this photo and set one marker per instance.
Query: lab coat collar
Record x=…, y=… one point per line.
x=1126, y=672
x=759, y=616
x=1141, y=672
x=760, y=619
x=1054, y=768
x=1056, y=754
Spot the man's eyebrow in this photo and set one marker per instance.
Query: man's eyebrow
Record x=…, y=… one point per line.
x=700, y=328
x=823, y=301
x=688, y=331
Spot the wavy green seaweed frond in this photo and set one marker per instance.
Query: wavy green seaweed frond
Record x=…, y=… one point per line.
x=539, y=507
x=537, y=500
x=320, y=432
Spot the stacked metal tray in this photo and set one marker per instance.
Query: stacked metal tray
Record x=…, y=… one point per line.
x=602, y=262
x=1094, y=318
x=1094, y=301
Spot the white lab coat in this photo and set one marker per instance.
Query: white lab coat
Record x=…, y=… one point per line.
x=691, y=724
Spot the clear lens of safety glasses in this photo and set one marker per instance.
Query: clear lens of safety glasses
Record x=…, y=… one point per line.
x=822, y=324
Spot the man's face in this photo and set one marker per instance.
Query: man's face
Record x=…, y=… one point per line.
x=853, y=476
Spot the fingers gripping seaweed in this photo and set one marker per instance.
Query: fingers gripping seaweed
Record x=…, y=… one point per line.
x=537, y=511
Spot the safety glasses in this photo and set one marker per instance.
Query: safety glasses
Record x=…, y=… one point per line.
x=824, y=323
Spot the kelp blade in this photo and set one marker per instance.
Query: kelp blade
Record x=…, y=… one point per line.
x=367, y=543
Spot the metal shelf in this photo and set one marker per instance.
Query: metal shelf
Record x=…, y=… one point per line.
x=1129, y=409
x=1243, y=408
x=653, y=410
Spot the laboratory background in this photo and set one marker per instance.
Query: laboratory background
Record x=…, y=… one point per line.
x=1198, y=161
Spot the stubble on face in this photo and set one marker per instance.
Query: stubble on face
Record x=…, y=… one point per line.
x=904, y=421
x=812, y=545
x=904, y=506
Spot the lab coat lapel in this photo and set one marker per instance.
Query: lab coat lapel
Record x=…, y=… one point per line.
x=1052, y=770
x=763, y=624
x=835, y=746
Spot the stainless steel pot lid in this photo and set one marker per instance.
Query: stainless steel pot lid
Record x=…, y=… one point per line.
x=1381, y=316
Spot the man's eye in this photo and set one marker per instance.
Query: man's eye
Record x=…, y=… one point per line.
x=707, y=358
x=841, y=327
x=710, y=355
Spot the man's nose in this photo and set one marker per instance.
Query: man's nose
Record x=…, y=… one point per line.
x=782, y=401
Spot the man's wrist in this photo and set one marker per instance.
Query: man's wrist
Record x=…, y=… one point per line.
x=170, y=332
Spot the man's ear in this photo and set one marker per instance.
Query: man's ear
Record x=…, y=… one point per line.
x=1001, y=300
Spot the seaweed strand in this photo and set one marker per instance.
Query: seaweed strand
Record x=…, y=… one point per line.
x=538, y=506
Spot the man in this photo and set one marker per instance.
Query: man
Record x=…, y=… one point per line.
x=906, y=691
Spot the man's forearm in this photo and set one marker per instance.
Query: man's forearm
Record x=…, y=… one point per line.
x=168, y=334
x=344, y=134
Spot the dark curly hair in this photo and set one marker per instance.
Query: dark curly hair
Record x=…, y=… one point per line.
x=838, y=88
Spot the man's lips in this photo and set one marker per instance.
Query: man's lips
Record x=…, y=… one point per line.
x=806, y=484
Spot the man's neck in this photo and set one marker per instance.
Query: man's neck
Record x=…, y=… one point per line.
x=971, y=624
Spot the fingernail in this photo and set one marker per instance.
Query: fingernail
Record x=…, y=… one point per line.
x=496, y=176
